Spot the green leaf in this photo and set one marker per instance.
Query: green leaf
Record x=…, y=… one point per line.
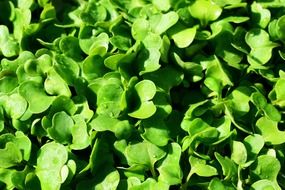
x=184, y=38
x=36, y=97
x=146, y=110
x=217, y=70
x=228, y=166
x=269, y=131
x=21, y=23
x=239, y=153
x=67, y=68
x=101, y=166
x=280, y=95
x=52, y=157
x=112, y=62
x=150, y=184
x=62, y=125
x=69, y=45
x=260, y=15
x=62, y=103
x=8, y=82
x=264, y=184
x=170, y=75
x=257, y=38
x=105, y=175
x=216, y=184
x=100, y=45
x=213, y=84
x=15, y=106
x=109, y=101
x=55, y=85
x=121, y=129
x=44, y=62
x=32, y=181
x=10, y=155
x=280, y=28
x=84, y=107
x=223, y=37
x=205, y=11
x=169, y=170
x=144, y=153
x=259, y=100
x=265, y=167
x=261, y=46
x=145, y=90
x=80, y=137
x=48, y=13
x=164, y=49
x=152, y=41
x=254, y=144
x=1, y=119
x=93, y=13
x=6, y=178
x=155, y=131
x=205, y=133
x=110, y=182
x=200, y=167
x=140, y=29
x=148, y=60
x=240, y=100
x=137, y=171
x=163, y=5
x=223, y=126
x=4, y=31
x=133, y=181
x=193, y=71
x=8, y=45
x=227, y=2
x=160, y=23
x=121, y=42
x=91, y=42
x=271, y=112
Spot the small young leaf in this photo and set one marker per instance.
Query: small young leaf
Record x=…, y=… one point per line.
x=156, y=131
x=145, y=90
x=169, y=170
x=205, y=11
x=228, y=166
x=36, y=97
x=150, y=184
x=271, y=112
x=269, y=131
x=52, y=157
x=62, y=125
x=264, y=184
x=200, y=167
x=184, y=38
x=254, y=144
x=239, y=153
x=162, y=22
x=144, y=153
x=10, y=155
x=265, y=167
x=260, y=15
x=140, y=29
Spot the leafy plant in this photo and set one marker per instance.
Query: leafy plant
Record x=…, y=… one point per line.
x=142, y=94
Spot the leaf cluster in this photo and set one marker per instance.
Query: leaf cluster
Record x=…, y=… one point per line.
x=142, y=94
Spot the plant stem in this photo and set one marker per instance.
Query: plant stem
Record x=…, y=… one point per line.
x=153, y=172
x=185, y=185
